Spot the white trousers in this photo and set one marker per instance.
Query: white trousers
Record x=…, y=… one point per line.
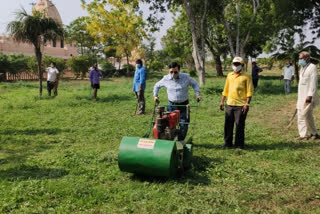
x=306, y=122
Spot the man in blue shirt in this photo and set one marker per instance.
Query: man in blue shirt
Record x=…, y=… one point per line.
x=177, y=85
x=255, y=73
x=94, y=79
x=139, y=85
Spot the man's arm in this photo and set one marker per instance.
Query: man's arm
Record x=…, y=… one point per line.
x=223, y=98
x=157, y=87
x=195, y=87
x=313, y=85
x=143, y=73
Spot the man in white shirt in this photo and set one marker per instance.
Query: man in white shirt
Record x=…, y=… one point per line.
x=288, y=74
x=308, y=97
x=52, y=78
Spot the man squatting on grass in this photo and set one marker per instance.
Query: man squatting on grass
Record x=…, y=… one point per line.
x=94, y=79
x=52, y=79
x=239, y=90
x=308, y=97
x=139, y=85
x=177, y=85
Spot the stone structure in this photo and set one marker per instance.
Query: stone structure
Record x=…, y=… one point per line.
x=56, y=48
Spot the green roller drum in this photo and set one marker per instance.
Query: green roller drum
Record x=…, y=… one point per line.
x=151, y=157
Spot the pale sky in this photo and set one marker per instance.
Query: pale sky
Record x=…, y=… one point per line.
x=69, y=10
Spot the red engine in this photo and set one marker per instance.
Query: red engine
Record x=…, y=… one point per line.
x=166, y=123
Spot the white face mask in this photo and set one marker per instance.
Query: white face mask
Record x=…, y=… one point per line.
x=174, y=75
x=236, y=68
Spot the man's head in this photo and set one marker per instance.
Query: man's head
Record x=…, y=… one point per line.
x=288, y=63
x=174, y=69
x=237, y=64
x=139, y=63
x=95, y=66
x=304, y=58
x=53, y=65
x=254, y=62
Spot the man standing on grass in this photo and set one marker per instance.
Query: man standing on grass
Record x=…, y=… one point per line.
x=94, y=76
x=52, y=79
x=288, y=74
x=177, y=85
x=238, y=90
x=255, y=73
x=139, y=85
x=308, y=97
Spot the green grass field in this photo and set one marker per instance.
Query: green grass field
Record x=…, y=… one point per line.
x=59, y=155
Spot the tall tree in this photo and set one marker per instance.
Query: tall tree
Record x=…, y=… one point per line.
x=178, y=40
x=77, y=31
x=121, y=23
x=35, y=29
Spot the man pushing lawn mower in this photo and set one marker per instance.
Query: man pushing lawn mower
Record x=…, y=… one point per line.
x=166, y=154
x=177, y=85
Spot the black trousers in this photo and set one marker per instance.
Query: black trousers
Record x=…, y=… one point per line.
x=141, y=101
x=255, y=82
x=234, y=114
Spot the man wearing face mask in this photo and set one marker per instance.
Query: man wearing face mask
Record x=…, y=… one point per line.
x=238, y=90
x=177, y=85
x=255, y=73
x=139, y=85
x=287, y=74
x=94, y=77
x=308, y=97
x=52, y=78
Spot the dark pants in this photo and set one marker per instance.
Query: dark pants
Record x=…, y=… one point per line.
x=50, y=86
x=141, y=102
x=234, y=114
x=184, y=117
x=255, y=82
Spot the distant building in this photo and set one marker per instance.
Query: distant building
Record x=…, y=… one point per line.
x=57, y=48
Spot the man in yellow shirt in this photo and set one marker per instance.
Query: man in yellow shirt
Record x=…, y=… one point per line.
x=239, y=90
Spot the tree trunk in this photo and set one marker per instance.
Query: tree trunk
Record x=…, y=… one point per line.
x=128, y=68
x=39, y=59
x=198, y=58
x=296, y=71
x=218, y=65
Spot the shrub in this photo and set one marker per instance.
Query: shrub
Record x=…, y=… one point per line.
x=17, y=63
x=108, y=68
x=193, y=73
x=80, y=65
x=156, y=66
x=60, y=63
x=131, y=69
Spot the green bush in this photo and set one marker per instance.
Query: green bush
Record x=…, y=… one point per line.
x=80, y=65
x=193, y=73
x=4, y=63
x=60, y=63
x=17, y=63
x=156, y=66
x=124, y=67
x=108, y=68
x=46, y=61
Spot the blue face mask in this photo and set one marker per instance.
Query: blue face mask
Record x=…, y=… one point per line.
x=302, y=62
x=138, y=66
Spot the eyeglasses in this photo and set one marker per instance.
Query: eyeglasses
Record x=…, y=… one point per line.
x=171, y=72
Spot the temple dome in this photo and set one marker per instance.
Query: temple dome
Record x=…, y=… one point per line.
x=49, y=10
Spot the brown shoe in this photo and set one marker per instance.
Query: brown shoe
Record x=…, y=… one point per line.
x=314, y=137
x=301, y=138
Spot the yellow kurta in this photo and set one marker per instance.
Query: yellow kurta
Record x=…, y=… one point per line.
x=238, y=88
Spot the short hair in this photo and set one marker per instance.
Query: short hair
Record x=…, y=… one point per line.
x=53, y=63
x=306, y=54
x=174, y=65
x=139, y=61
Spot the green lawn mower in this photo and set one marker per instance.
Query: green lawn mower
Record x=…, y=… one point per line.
x=161, y=156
